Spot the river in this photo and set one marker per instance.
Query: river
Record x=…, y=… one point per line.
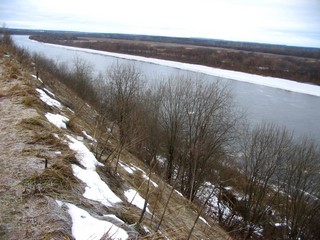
x=296, y=111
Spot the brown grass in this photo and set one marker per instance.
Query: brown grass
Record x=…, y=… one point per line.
x=56, y=179
x=43, y=132
x=21, y=90
x=73, y=125
x=12, y=71
x=31, y=123
x=57, y=235
x=29, y=101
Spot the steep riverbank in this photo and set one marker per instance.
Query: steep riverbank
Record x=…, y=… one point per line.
x=285, y=108
x=52, y=186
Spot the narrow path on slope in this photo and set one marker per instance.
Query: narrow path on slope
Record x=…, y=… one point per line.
x=22, y=215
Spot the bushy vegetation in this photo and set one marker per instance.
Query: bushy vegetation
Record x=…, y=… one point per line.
x=8, y=46
x=188, y=132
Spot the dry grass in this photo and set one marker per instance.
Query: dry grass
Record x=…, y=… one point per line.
x=74, y=126
x=56, y=179
x=21, y=90
x=11, y=69
x=32, y=142
x=47, y=138
x=31, y=123
x=128, y=214
x=29, y=101
x=56, y=235
x=43, y=133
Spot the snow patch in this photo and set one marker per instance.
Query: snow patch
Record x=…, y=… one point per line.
x=148, y=179
x=146, y=229
x=114, y=217
x=85, y=227
x=203, y=220
x=49, y=92
x=213, y=203
x=57, y=120
x=70, y=110
x=83, y=154
x=161, y=160
x=55, y=135
x=137, y=168
x=128, y=169
x=96, y=189
x=88, y=136
x=35, y=77
x=134, y=198
x=179, y=193
x=280, y=224
x=79, y=138
x=44, y=97
x=144, y=175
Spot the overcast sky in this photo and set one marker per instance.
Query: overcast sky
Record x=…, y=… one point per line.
x=291, y=22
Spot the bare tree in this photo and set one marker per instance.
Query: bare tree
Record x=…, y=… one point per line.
x=81, y=76
x=208, y=130
x=300, y=206
x=264, y=151
x=171, y=117
x=282, y=176
x=6, y=38
x=153, y=135
x=196, y=123
x=121, y=99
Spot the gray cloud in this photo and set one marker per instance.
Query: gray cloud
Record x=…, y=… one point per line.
x=294, y=22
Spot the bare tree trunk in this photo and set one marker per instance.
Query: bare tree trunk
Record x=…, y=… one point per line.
x=199, y=214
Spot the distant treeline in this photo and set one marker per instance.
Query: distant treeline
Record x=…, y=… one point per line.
x=306, y=52
x=245, y=46
x=300, y=64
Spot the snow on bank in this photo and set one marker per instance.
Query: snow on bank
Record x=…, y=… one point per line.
x=49, y=92
x=83, y=154
x=88, y=136
x=144, y=175
x=134, y=198
x=114, y=217
x=179, y=193
x=149, y=179
x=229, y=74
x=133, y=169
x=85, y=227
x=127, y=169
x=44, y=97
x=203, y=220
x=35, y=77
x=57, y=120
x=96, y=189
x=210, y=190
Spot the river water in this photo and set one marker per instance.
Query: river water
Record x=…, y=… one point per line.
x=298, y=112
